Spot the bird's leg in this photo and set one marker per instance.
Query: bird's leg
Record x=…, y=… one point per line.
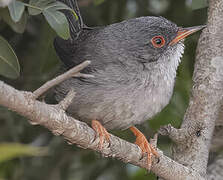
x=144, y=145
x=101, y=131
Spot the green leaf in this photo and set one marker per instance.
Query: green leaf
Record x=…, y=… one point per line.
x=18, y=27
x=58, y=22
x=59, y=6
x=199, y=4
x=56, y=19
x=37, y=6
x=16, y=10
x=9, y=65
x=9, y=151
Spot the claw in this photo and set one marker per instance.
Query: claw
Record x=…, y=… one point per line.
x=144, y=145
x=102, y=132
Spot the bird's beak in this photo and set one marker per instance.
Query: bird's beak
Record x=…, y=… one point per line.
x=184, y=32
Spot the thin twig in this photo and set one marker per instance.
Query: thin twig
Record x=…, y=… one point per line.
x=83, y=75
x=153, y=141
x=64, y=104
x=71, y=73
x=179, y=136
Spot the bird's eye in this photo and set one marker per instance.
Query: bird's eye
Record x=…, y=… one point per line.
x=158, y=41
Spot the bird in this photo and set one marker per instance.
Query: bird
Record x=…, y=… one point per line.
x=133, y=63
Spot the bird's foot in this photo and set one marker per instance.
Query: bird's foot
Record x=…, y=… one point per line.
x=144, y=145
x=101, y=131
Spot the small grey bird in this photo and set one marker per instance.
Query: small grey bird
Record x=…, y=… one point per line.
x=134, y=65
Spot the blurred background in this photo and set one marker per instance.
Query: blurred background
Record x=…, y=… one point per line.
x=31, y=152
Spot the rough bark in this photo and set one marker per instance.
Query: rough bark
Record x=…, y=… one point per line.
x=215, y=169
x=206, y=94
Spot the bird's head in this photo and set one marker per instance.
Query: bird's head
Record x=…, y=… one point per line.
x=151, y=39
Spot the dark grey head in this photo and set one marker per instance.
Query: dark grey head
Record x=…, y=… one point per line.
x=147, y=38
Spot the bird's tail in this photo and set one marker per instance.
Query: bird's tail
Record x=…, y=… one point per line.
x=76, y=25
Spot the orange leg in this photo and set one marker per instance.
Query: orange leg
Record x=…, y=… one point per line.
x=144, y=145
x=102, y=132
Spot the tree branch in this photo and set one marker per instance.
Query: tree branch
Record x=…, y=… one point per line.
x=73, y=72
x=216, y=142
x=179, y=136
x=215, y=169
x=206, y=94
x=64, y=104
x=76, y=132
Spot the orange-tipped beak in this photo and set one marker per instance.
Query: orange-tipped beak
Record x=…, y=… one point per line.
x=184, y=32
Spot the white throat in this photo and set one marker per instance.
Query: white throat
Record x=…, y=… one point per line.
x=160, y=83
x=168, y=63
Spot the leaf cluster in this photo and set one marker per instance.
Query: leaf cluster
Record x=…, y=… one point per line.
x=16, y=14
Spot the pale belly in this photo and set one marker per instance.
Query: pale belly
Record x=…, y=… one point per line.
x=120, y=109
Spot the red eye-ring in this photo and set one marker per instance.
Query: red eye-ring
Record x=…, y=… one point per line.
x=158, y=41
